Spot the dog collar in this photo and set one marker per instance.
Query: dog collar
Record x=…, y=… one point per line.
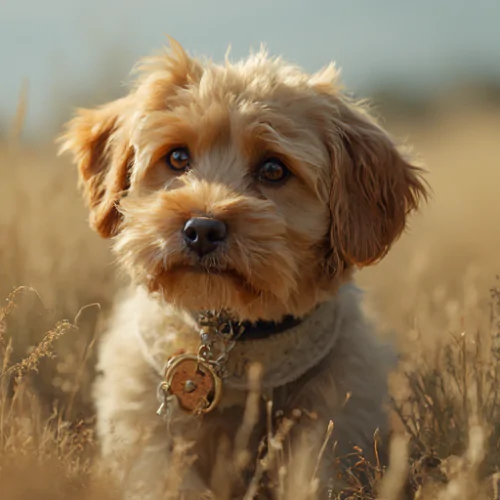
x=163, y=332
x=196, y=380
x=260, y=330
x=287, y=349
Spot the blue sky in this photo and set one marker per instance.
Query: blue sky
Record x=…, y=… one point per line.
x=63, y=47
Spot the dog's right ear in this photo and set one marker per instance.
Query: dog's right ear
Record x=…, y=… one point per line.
x=99, y=141
x=374, y=186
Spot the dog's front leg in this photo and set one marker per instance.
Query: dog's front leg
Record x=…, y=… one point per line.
x=140, y=448
x=147, y=455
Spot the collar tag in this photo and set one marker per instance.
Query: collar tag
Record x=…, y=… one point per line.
x=196, y=380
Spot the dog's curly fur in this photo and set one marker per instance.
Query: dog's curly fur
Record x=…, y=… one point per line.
x=290, y=250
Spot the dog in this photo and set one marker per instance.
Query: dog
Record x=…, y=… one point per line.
x=247, y=191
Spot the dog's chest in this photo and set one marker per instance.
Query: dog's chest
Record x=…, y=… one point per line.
x=232, y=398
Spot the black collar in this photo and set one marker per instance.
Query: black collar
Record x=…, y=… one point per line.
x=261, y=329
x=247, y=330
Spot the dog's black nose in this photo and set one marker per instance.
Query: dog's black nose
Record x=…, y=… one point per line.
x=203, y=234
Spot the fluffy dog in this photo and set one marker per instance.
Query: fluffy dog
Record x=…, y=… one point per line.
x=252, y=189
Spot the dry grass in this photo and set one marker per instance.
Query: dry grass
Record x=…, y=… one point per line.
x=433, y=290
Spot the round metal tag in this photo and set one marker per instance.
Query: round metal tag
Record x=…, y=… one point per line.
x=194, y=383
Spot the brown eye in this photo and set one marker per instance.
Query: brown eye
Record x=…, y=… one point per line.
x=178, y=159
x=273, y=171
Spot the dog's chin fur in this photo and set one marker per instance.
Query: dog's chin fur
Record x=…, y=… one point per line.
x=199, y=290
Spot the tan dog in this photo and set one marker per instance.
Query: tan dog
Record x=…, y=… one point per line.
x=253, y=189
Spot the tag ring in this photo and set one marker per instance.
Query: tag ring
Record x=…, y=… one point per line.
x=194, y=382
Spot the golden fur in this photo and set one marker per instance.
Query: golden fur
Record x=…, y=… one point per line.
x=289, y=247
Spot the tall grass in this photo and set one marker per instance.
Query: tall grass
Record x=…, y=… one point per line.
x=436, y=291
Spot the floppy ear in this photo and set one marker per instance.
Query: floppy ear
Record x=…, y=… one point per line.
x=99, y=142
x=373, y=186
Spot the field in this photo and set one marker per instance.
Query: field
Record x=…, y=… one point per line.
x=436, y=295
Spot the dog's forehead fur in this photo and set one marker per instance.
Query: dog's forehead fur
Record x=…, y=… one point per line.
x=258, y=77
x=238, y=114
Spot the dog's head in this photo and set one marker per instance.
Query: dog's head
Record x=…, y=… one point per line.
x=252, y=187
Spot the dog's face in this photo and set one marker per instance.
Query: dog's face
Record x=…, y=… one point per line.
x=251, y=187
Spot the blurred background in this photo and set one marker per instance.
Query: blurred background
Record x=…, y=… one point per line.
x=74, y=52
x=432, y=68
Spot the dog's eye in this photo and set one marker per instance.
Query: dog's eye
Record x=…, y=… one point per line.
x=273, y=171
x=178, y=159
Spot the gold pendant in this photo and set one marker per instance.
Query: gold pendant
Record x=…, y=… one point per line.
x=194, y=382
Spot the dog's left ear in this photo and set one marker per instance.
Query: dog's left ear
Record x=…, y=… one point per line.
x=373, y=186
x=99, y=142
